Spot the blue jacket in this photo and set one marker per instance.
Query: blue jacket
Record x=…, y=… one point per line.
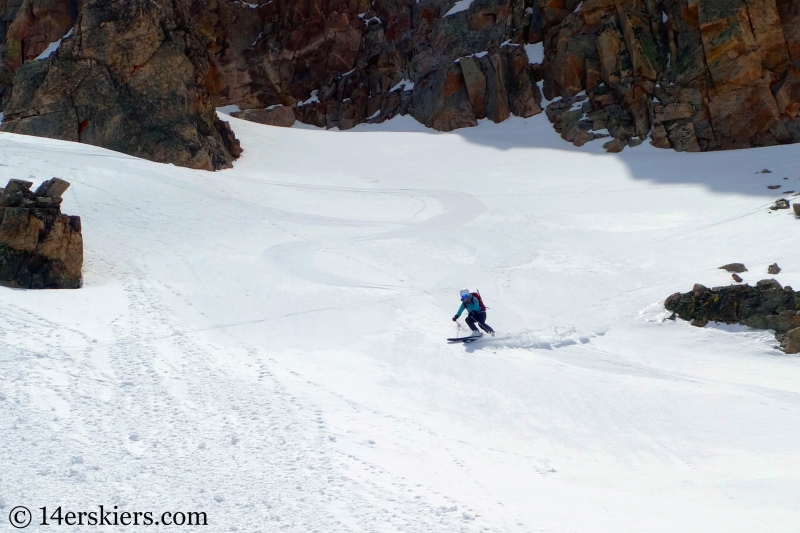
x=470, y=304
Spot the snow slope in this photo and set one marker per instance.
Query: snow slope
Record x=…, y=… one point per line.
x=266, y=344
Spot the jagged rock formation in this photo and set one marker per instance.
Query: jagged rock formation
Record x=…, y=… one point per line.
x=341, y=63
x=768, y=305
x=334, y=63
x=39, y=247
x=693, y=75
x=686, y=74
x=132, y=77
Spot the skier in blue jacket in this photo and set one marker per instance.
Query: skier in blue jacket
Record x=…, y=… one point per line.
x=475, y=314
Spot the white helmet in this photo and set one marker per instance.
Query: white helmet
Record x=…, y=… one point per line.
x=464, y=293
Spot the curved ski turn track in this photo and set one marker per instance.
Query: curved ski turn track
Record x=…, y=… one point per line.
x=267, y=344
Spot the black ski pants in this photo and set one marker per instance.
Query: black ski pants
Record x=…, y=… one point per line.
x=478, y=317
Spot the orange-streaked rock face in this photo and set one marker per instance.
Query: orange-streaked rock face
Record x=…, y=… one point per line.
x=360, y=58
x=687, y=74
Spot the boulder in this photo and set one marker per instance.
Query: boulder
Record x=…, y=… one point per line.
x=734, y=267
x=791, y=342
x=39, y=246
x=614, y=146
x=773, y=269
x=781, y=203
x=278, y=116
x=52, y=188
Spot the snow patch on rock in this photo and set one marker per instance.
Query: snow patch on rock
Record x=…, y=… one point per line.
x=535, y=53
x=404, y=85
x=461, y=5
x=52, y=47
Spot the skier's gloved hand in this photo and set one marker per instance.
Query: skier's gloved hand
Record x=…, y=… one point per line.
x=455, y=318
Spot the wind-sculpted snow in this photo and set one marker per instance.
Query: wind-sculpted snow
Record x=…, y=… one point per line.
x=267, y=344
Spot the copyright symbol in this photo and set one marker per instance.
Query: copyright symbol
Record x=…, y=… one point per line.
x=20, y=517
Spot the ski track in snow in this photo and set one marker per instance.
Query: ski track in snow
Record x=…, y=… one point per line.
x=266, y=344
x=275, y=441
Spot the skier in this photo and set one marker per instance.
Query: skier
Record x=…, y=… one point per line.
x=476, y=312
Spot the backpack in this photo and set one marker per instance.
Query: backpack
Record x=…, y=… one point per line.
x=480, y=302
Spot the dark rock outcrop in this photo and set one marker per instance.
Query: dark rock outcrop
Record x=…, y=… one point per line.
x=768, y=305
x=781, y=203
x=27, y=27
x=734, y=267
x=278, y=116
x=338, y=64
x=156, y=68
x=132, y=77
x=39, y=247
x=691, y=75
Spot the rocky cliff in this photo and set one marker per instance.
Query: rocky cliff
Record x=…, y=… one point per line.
x=39, y=246
x=130, y=75
x=340, y=63
x=693, y=75
x=143, y=76
x=130, y=70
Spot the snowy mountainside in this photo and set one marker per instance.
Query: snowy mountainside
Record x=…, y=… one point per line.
x=266, y=343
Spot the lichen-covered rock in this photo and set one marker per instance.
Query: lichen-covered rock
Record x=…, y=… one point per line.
x=132, y=77
x=691, y=75
x=27, y=27
x=768, y=305
x=39, y=246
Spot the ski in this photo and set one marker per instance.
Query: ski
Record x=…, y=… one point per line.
x=465, y=340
